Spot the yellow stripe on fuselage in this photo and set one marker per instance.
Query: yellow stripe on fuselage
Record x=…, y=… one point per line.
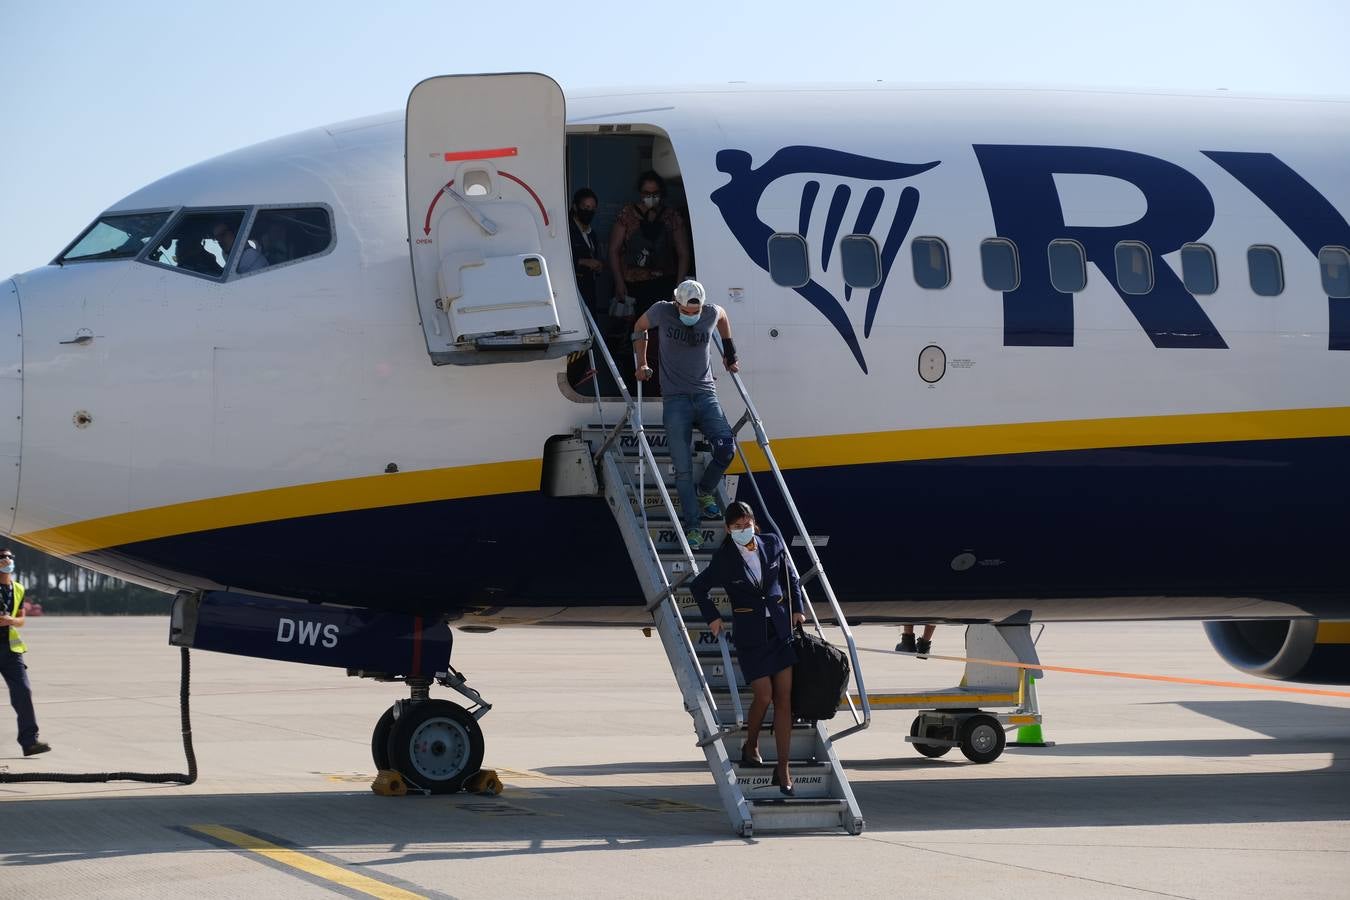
x=1040, y=437
x=346, y=495
x=376, y=491
x=1333, y=632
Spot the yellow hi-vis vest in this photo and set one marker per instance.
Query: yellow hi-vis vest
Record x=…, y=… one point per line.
x=16, y=642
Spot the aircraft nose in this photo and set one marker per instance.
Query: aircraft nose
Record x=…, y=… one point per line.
x=11, y=402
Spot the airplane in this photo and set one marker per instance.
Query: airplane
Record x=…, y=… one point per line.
x=1026, y=355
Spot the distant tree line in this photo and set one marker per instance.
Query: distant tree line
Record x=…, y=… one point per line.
x=63, y=588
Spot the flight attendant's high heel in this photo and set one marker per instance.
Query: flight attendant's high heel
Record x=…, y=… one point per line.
x=782, y=782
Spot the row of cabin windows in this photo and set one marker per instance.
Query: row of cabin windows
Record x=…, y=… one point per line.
x=208, y=242
x=860, y=257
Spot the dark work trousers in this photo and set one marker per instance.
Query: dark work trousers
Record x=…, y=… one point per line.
x=15, y=671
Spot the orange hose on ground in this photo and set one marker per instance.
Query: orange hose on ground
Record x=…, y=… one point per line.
x=1105, y=673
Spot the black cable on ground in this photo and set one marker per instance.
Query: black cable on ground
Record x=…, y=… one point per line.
x=151, y=778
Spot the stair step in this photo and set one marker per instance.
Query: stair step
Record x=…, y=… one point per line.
x=823, y=797
x=666, y=537
x=803, y=815
x=810, y=783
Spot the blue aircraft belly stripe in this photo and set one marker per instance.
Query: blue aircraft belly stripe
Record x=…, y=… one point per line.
x=1250, y=518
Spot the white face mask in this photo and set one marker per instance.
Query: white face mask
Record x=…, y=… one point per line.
x=742, y=536
x=8, y=568
x=651, y=202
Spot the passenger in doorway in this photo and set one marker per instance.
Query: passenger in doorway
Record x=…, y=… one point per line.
x=191, y=255
x=921, y=646
x=685, y=325
x=648, y=249
x=766, y=603
x=587, y=251
x=251, y=259
x=12, y=649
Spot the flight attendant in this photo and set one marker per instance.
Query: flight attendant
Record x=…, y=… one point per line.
x=766, y=602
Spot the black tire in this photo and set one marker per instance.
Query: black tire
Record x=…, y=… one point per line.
x=982, y=739
x=932, y=751
x=379, y=740
x=436, y=745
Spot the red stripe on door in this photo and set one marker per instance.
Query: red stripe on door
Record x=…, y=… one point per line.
x=495, y=153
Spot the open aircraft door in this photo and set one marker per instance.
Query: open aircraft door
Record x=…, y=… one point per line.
x=487, y=226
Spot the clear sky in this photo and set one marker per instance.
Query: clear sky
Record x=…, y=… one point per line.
x=97, y=99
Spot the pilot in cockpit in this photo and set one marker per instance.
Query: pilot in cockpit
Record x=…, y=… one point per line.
x=192, y=255
x=251, y=259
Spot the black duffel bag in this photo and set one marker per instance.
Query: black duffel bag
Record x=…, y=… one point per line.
x=819, y=677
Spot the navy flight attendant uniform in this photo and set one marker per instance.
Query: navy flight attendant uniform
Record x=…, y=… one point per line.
x=763, y=642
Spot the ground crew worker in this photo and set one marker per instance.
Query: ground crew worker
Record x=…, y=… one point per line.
x=12, y=664
x=909, y=645
x=689, y=395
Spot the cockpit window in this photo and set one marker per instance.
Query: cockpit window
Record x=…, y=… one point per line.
x=199, y=242
x=119, y=236
x=286, y=235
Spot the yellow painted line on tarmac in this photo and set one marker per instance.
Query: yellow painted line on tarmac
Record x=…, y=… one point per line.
x=308, y=864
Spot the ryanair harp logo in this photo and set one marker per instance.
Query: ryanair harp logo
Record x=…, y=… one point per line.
x=883, y=212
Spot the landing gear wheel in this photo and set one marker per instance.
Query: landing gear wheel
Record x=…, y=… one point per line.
x=932, y=751
x=436, y=745
x=982, y=739
x=379, y=740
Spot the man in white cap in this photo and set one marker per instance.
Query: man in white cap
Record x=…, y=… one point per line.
x=689, y=395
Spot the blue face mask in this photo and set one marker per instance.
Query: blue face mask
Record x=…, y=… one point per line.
x=7, y=568
x=742, y=536
x=691, y=320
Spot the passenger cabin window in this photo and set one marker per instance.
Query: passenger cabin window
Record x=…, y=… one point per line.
x=1265, y=270
x=1068, y=266
x=788, y=264
x=998, y=263
x=862, y=261
x=932, y=269
x=116, y=237
x=285, y=235
x=1199, y=269
x=199, y=242
x=1134, y=267
x=1335, y=265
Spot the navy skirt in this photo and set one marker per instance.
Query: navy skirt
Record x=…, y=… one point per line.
x=774, y=655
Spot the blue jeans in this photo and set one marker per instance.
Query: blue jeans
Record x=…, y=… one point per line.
x=14, y=670
x=680, y=413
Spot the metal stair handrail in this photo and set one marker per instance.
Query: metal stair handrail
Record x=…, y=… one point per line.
x=632, y=420
x=817, y=568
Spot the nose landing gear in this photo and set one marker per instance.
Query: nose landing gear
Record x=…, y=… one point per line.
x=435, y=745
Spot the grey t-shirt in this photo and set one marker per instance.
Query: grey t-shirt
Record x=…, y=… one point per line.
x=685, y=350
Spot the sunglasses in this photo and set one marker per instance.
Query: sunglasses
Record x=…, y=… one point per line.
x=6, y=555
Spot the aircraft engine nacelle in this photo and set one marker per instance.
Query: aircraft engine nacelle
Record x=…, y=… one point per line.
x=1302, y=650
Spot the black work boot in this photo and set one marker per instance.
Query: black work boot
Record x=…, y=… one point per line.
x=906, y=644
x=35, y=748
x=922, y=647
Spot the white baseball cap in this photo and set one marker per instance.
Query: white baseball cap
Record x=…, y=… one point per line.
x=690, y=293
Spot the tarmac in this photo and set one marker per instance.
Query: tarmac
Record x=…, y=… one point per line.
x=1151, y=789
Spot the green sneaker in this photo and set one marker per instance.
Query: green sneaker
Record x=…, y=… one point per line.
x=695, y=538
x=708, y=507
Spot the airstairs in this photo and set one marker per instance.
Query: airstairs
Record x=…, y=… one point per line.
x=638, y=483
